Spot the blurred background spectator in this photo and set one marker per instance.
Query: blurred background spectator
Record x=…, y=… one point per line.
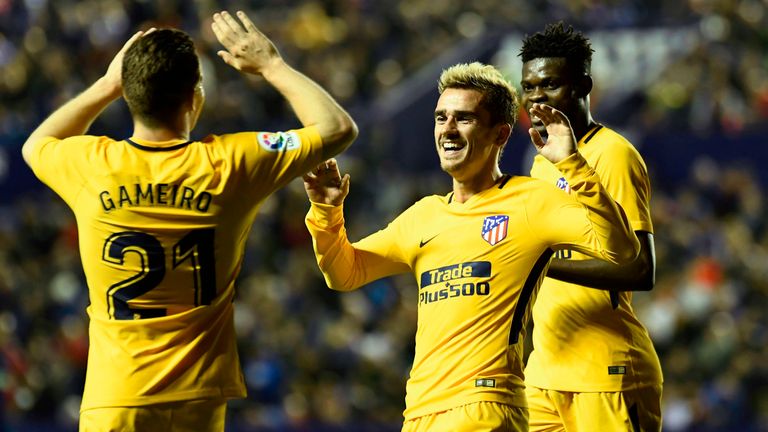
x=686, y=81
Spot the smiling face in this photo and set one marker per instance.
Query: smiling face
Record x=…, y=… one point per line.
x=467, y=143
x=549, y=81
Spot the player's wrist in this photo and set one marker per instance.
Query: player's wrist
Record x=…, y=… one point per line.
x=274, y=67
x=107, y=88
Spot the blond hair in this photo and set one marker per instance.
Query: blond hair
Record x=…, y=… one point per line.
x=499, y=96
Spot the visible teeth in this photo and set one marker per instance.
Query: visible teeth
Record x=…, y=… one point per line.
x=451, y=146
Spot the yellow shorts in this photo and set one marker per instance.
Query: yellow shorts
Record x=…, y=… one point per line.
x=186, y=416
x=633, y=411
x=474, y=417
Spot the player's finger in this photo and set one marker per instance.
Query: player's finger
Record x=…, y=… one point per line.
x=555, y=114
x=219, y=32
x=536, y=138
x=232, y=23
x=345, y=184
x=540, y=111
x=321, y=167
x=250, y=27
x=228, y=59
x=130, y=41
x=560, y=116
x=223, y=32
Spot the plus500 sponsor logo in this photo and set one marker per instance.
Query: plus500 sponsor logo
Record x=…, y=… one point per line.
x=451, y=282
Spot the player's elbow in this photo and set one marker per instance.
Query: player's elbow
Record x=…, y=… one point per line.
x=625, y=255
x=647, y=282
x=340, y=286
x=337, y=282
x=646, y=273
x=338, y=136
x=25, y=153
x=26, y=149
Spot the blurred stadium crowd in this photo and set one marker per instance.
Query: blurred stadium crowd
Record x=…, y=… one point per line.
x=316, y=360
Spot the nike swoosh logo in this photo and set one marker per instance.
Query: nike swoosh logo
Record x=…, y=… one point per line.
x=424, y=242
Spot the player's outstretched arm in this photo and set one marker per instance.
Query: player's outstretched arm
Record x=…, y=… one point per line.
x=345, y=266
x=75, y=117
x=247, y=49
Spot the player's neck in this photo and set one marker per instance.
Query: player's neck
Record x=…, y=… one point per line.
x=582, y=124
x=159, y=134
x=464, y=189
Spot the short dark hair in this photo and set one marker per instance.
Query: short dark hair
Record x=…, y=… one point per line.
x=559, y=40
x=159, y=73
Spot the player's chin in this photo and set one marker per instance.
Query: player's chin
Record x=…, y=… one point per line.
x=448, y=166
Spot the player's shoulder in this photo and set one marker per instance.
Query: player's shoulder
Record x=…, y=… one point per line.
x=228, y=145
x=429, y=202
x=212, y=139
x=524, y=182
x=612, y=140
x=83, y=146
x=523, y=187
x=611, y=143
x=269, y=142
x=87, y=140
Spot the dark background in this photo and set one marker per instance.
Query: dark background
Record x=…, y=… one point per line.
x=686, y=82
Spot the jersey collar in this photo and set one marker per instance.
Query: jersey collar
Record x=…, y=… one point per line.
x=153, y=146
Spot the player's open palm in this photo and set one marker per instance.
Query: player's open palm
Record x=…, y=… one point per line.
x=247, y=49
x=560, y=142
x=325, y=185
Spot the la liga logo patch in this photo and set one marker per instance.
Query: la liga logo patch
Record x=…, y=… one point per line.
x=495, y=229
x=278, y=141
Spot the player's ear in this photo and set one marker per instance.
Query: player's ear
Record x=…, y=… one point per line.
x=504, y=131
x=583, y=86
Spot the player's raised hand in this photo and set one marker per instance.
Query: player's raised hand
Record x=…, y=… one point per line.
x=114, y=75
x=325, y=185
x=560, y=142
x=247, y=49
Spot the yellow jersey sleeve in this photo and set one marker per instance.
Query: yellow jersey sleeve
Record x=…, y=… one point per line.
x=349, y=266
x=625, y=176
x=57, y=163
x=609, y=238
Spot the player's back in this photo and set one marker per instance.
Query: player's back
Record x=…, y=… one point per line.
x=162, y=229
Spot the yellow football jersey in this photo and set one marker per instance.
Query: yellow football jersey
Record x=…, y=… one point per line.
x=162, y=230
x=478, y=265
x=586, y=339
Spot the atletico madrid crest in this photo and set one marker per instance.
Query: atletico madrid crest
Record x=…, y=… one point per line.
x=495, y=229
